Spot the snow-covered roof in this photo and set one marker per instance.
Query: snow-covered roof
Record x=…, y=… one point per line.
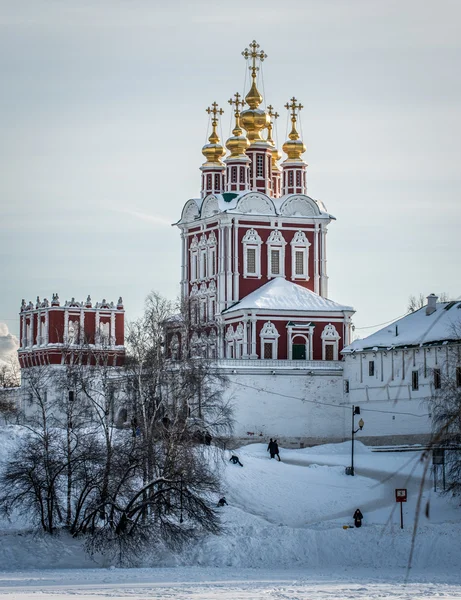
x=253, y=203
x=280, y=294
x=416, y=329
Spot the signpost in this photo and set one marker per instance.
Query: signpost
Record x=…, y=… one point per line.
x=401, y=496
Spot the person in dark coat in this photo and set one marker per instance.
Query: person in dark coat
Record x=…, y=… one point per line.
x=276, y=450
x=358, y=518
x=222, y=501
x=270, y=448
x=235, y=460
x=208, y=438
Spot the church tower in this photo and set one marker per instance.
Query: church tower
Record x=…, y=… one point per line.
x=254, y=245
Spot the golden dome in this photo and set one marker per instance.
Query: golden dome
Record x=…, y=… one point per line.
x=213, y=152
x=238, y=143
x=294, y=147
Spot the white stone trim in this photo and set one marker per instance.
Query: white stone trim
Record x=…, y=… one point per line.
x=330, y=337
x=276, y=242
x=269, y=335
x=252, y=240
x=300, y=243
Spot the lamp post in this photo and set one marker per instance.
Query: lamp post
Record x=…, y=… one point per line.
x=355, y=411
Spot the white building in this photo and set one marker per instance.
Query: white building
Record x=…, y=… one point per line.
x=393, y=374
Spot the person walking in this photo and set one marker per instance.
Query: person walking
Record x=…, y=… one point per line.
x=270, y=448
x=276, y=450
x=358, y=518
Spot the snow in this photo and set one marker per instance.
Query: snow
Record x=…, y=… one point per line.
x=283, y=537
x=415, y=329
x=280, y=294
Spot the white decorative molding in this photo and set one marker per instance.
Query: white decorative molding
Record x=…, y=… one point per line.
x=299, y=206
x=190, y=211
x=330, y=333
x=330, y=337
x=194, y=243
x=255, y=203
x=252, y=237
x=212, y=239
x=276, y=238
x=210, y=207
x=300, y=245
x=238, y=335
x=269, y=330
x=229, y=334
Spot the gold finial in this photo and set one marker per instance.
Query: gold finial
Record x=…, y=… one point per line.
x=295, y=147
x=238, y=143
x=214, y=151
x=275, y=153
x=254, y=98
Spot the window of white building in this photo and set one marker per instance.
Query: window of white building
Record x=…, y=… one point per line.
x=276, y=254
x=414, y=381
x=194, y=259
x=330, y=342
x=299, y=256
x=269, y=341
x=251, y=254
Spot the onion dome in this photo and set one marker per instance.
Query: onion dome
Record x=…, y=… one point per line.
x=276, y=156
x=294, y=147
x=254, y=119
x=238, y=143
x=213, y=152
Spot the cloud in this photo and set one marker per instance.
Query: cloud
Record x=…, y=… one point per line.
x=9, y=344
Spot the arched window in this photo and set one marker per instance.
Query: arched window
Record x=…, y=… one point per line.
x=299, y=256
x=276, y=254
x=269, y=341
x=330, y=342
x=252, y=254
x=234, y=174
x=300, y=347
x=298, y=178
x=290, y=178
x=230, y=342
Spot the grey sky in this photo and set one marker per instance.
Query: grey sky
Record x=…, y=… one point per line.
x=102, y=120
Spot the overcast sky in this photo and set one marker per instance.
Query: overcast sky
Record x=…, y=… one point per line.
x=102, y=121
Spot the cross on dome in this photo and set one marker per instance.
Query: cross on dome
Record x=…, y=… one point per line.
x=237, y=102
x=254, y=55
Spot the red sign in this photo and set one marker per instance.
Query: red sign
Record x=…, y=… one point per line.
x=401, y=495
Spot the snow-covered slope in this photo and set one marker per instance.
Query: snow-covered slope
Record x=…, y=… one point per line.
x=291, y=514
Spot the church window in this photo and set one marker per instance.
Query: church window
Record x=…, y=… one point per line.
x=212, y=262
x=203, y=310
x=330, y=342
x=290, y=178
x=298, y=178
x=212, y=309
x=217, y=186
x=252, y=254
x=259, y=165
x=414, y=381
x=299, y=262
x=437, y=379
x=104, y=336
x=251, y=261
x=371, y=368
x=269, y=340
x=275, y=262
x=276, y=254
x=234, y=174
x=208, y=183
x=346, y=386
x=242, y=175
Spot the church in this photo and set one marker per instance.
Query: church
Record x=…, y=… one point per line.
x=254, y=272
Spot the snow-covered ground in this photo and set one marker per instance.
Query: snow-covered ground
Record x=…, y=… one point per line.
x=284, y=538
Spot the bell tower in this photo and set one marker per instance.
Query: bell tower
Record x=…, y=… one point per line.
x=213, y=170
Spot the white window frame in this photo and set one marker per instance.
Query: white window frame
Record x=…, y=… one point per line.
x=300, y=243
x=269, y=335
x=193, y=250
x=276, y=242
x=330, y=337
x=252, y=240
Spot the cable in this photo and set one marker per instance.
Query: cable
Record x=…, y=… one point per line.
x=393, y=412
x=385, y=323
x=262, y=81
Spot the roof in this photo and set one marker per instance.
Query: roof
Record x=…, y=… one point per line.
x=280, y=294
x=416, y=329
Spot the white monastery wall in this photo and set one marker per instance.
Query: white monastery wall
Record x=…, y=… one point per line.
x=292, y=407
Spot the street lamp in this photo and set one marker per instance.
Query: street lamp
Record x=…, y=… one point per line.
x=355, y=411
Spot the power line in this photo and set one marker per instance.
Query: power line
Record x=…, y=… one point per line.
x=385, y=323
x=343, y=406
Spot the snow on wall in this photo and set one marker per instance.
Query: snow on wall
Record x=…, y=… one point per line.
x=287, y=405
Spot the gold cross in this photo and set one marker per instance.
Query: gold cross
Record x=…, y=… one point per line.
x=237, y=103
x=272, y=115
x=254, y=55
x=293, y=107
x=215, y=111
